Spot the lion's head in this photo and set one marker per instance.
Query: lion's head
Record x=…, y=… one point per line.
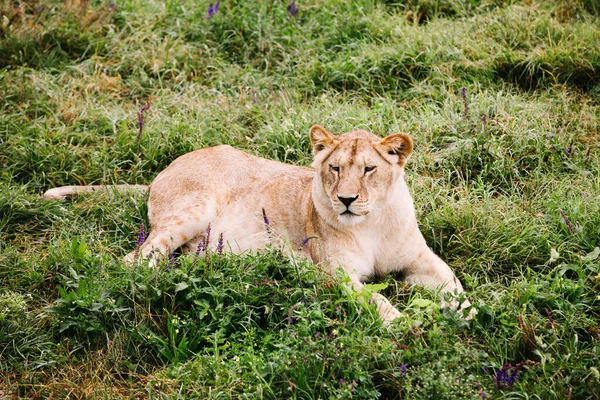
x=357, y=172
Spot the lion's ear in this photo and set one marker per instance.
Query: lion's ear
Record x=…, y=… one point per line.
x=397, y=147
x=320, y=138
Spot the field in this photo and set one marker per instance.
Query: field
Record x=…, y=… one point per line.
x=502, y=100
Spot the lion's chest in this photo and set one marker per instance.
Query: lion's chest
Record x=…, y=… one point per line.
x=388, y=248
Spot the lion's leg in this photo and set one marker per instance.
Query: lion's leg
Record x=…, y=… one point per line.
x=170, y=231
x=385, y=309
x=159, y=244
x=430, y=271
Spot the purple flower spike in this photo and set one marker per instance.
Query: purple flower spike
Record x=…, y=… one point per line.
x=141, y=240
x=567, y=221
x=200, y=248
x=206, y=238
x=143, y=109
x=507, y=375
x=588, y=155
x=463, y=94
x=569, y=149
x=292, y=8
x=403, y=369
x=141, y=235
x=220, y=245
x=171, y=261
x=213, y=9
x=140, y=115
x=267, y=222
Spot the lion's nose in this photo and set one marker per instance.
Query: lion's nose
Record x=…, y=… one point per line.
x=347, y=200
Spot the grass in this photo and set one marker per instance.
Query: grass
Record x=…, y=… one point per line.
x=505, y=181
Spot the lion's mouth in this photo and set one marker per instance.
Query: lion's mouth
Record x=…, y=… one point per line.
x=348, y=212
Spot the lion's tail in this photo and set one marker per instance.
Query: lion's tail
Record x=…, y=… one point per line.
x=63, y=192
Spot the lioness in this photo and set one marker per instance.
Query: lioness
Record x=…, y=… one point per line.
x=353, y=210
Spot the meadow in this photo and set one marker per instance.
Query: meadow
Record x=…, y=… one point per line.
x=502, y=100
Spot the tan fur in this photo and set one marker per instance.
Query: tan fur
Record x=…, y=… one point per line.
x=377, y=233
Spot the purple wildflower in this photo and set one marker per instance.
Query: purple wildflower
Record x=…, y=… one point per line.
x=206, y=238
x=305, y=242
x=171, y=261
x=142, y=235
x=292, y=8
x=140, y=115
x=318, y=334
x=213, y=9
x=569, y=149
x=483, y=394
x=266, y=221
x=587, y=155
x=291, y=320
x=403, y=369
x=341, y=381
x=200, y=248
x=305, y=300
x=112, y=5
x=463, y=94
x=141, y=240
x=506, y=376
x=567, y=221
x=220, y=245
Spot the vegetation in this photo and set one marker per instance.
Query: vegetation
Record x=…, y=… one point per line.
x=502, y=99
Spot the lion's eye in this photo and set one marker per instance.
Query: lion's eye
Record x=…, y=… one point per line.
x=335, y=168
x=369, y=168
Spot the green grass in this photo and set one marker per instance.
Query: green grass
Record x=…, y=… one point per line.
x=490, y=184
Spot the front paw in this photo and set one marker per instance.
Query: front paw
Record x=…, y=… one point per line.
x=461, y=307
x=385, y=309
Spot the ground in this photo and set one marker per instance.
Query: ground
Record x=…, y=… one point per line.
x=501, y=98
